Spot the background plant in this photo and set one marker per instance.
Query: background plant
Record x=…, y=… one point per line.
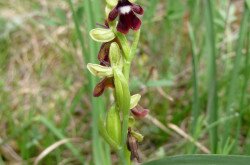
x=43, y=61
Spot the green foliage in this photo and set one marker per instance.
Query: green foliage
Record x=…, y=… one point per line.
x=202, y=160
x=184, y=53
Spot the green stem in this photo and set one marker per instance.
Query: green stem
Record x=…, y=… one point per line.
x=126, y=69
x=128, y=54
x=128, y=57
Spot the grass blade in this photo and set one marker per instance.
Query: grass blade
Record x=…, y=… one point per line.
x=97, y=104
x=195, y=106
x=60, y=136
x=202, y=160
x=212, y=82
x=233, y=85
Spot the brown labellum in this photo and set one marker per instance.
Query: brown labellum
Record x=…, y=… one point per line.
x=132, y=146
x=101, y=86
x=103, y=55
x=139, y=111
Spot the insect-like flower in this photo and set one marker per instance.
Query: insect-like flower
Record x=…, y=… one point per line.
x=139, y=112
x=107, y=82
x=132, y=146
x=127, y=18
x=103, y=55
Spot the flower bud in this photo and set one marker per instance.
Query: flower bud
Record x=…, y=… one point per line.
x=113, y=124
x=99, y=70
x=115, y=55
x=134, y=100
x=132, y=145
x=122, y=92
x=118, y=91
x=103, y=132
x=102, y=35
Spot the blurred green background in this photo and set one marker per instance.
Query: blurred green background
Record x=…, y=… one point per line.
x=192, y=70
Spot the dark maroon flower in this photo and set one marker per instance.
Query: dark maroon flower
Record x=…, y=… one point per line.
x=127, y=18
x=132, y=146
x=101, y=86
x=103, y=55
x=139, y=111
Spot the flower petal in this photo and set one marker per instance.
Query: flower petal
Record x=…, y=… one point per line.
x=137, y=9
x=99, y=89
x=123, y=25
x=113, y=14
x=135, y=22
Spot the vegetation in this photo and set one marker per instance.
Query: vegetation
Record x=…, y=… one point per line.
x=191, y=68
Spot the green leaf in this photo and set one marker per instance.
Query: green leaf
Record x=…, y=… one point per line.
x=202, y=160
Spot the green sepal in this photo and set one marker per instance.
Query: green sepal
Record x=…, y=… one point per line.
x=105, y=135
x=125, y=102
x=118, y=90
x=113, y=124
x=124, y=44
x=131, y=121
x=99, y=70
x=112, y=3
x=134, y=100
x=122, y=90
x=102, y=35
x=115, y=55
x=139, y=137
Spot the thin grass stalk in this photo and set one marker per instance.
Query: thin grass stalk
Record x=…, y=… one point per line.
x=97, y=147
x=77, y=26
x=212, y=82
x=60, y=136
x=195, y=106
x=233, y=85
x=245, y=83
x=97, y=17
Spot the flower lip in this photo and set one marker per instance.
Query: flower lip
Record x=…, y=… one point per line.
x=101, y=86
x=103, y=55
x=139, y=111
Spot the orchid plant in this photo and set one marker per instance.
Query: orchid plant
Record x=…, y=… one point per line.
x=115, y=56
